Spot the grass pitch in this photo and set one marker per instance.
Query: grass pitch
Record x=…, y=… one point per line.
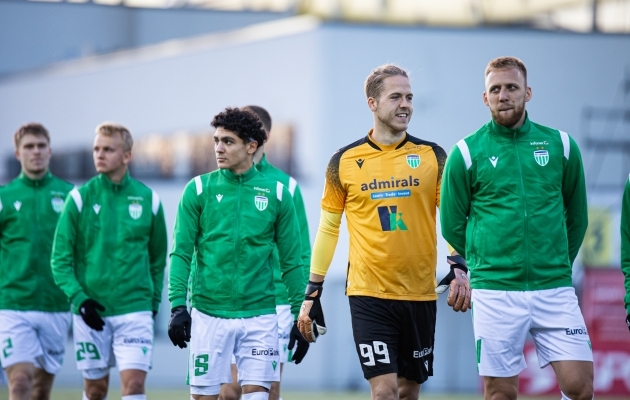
x=166, y=394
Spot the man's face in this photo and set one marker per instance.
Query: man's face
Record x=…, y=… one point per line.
x=393, y=108
x=34, y=154
x=506, y=94
x=231, y=152
x=109, y=154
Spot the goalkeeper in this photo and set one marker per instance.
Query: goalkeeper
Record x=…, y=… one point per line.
x=388, y=184
x=234, y=218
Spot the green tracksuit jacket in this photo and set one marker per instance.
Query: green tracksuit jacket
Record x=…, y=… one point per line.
x=110, y=246
x=234, y=222
x=29, y=210
x=513, y=203
x=277, y=174
x=625, y=241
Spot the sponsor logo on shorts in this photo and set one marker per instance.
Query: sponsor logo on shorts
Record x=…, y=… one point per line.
x=55, y=353
x=283, y=335
x=422, y=353
x=576, y=331
x=131, y=340
x=265, y=352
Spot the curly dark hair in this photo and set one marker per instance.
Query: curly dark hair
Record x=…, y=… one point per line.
x=245, y=124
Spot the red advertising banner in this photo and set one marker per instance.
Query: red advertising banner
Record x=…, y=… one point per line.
x=612, y=372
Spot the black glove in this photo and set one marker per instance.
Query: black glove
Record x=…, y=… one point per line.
x=90, y=316
x=460, y=263
x=179, y=326
x=628, y=321
x=154, y=314
x=311, y=319
x=302, y=344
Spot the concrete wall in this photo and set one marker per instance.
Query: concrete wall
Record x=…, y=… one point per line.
x=35, y=34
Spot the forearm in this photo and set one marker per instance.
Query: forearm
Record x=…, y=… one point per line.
x=178, y=275
x=325, y=243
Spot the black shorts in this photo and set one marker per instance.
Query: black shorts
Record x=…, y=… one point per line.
x=394, y=336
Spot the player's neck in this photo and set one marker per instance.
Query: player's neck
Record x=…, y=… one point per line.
x=385, y=135
x=117, y=176
x=35, y=176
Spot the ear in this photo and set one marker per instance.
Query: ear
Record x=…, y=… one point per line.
x=126, y=157
x=252, y=147
x=485, y=98
x=17, y=154
x=528, y=94
x=372, y=103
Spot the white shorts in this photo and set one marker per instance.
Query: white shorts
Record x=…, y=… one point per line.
x=35, y=337
x=501, y=320
x=285, y=323
x=126, y=340
x=254, y=342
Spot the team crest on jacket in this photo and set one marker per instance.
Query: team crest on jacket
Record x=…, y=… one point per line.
x=542, y=157
x=135, y=210
x=261, y=202
x=413, y=160
x=57, y=204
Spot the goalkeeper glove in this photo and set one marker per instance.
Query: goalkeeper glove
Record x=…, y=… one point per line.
x=179, y=326
x=88, y=310
x=459, y=294
x=302, y=344
x=311, y=319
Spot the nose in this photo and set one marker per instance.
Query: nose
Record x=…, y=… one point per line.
x=218, y=147
x=503, y=94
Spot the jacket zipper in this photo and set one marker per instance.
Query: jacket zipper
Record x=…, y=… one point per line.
x=525, y=220
x=237, y=237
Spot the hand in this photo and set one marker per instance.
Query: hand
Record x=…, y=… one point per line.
x=628, y=321
x=88, y=310
x=154, y=314
x=302, y=344
x=311, y=319
x=179, y=326
x=459, y=294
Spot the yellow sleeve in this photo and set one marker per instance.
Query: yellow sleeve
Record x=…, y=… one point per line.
x=451, y=250
x=325, y=242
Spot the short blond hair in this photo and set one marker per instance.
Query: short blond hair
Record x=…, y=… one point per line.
x=506, y=63
x=374, y=81
x=111, y=128
x=32, y=128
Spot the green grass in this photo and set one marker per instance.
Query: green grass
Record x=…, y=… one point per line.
x=75, y=394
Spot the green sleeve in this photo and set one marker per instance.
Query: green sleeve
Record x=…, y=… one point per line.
x=574, y=195
x=305, y=240
x=184, y=238
x=455, y=200
x=157, y=255
x=625, y=242
x=289, y=251
x=63, y=253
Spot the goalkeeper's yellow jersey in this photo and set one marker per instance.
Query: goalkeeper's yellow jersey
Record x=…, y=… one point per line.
x=390, y=194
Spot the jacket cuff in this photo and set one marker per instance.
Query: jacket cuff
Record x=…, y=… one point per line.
x=178, y=302
x=78, y=299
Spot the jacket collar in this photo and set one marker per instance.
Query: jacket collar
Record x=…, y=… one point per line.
x=105, y=181
x=263, y=164
x=35, y=182
x=508, y=132
x=244, y=177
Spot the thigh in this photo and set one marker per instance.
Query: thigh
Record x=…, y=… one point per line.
x=416, y=340
x=257, y=354
x=211, y=349
x=18, y=339
x=501, y=320
x=376, y=330
x=53, y=329
x=93, y=349
x=285, y=324
x=133, y=340
x=558, y=327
